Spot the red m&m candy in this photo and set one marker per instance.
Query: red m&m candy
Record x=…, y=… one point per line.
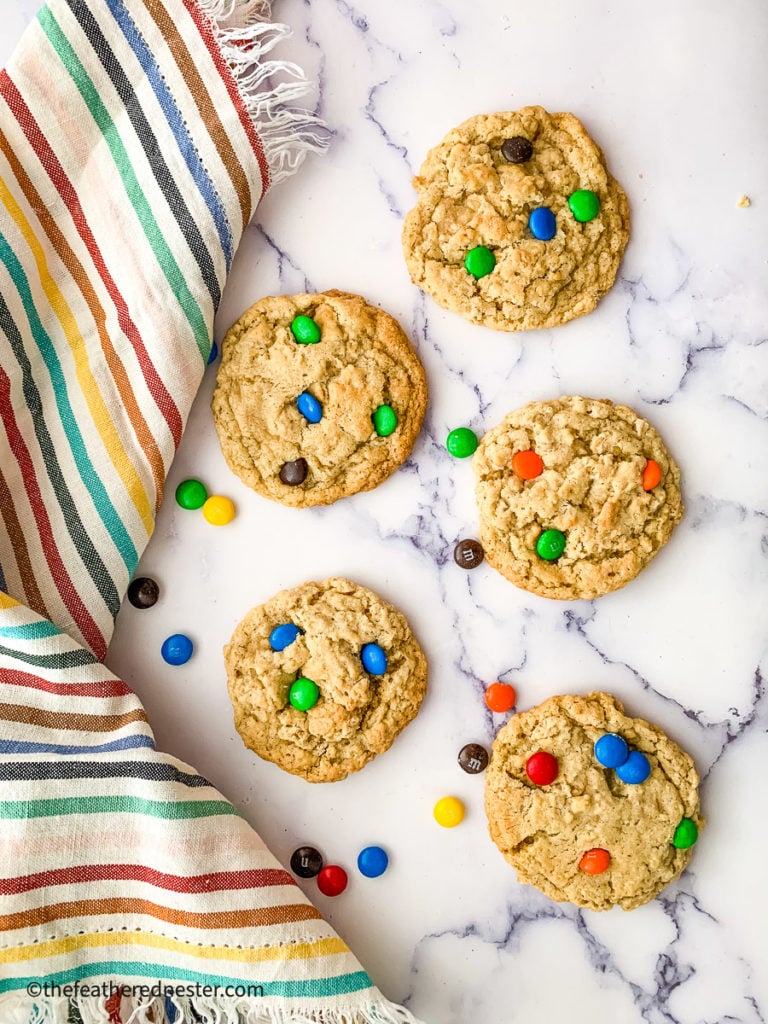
x=541, y=768
x=332, y=880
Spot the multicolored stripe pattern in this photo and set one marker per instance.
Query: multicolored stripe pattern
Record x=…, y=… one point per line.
x=129, y=168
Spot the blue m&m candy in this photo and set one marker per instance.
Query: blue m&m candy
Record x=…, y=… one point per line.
x=214, y=352
x=542, y=223
x=283, y=636
x=372, y=861
x=309, y=407
x=374, y=659
x=177, y=649
x=611, y=750
x=635, y=769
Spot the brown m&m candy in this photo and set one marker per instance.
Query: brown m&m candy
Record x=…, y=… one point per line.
x=517, y=150
x=294, y=473
x=473, y=758
x=468, y=554
x=143, y=592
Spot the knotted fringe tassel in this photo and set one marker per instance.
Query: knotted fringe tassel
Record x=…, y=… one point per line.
x=244, y=32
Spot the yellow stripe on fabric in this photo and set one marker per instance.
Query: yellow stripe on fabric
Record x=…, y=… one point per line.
x=95, y=940
x=7, y=602
x=90, y=389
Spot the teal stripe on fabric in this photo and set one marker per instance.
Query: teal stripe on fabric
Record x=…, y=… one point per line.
x=172, y=810
x=134, y=191
x=91, y=480
x=309, y=988
x=40, y=630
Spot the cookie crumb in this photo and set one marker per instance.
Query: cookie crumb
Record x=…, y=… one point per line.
x=744, y=202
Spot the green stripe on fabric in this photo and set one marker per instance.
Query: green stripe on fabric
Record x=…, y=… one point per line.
x=40, y=630
x=61, y=659
x=309, y=988
x=176, y=809
x=134, y=191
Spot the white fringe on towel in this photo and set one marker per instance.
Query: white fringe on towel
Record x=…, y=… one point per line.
x=245, y=34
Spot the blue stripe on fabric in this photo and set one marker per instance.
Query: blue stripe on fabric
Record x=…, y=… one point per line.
x=24, y=747
x=176, y=124
x=39, y=630
x=92, y=481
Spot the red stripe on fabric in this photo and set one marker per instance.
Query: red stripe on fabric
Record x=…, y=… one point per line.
x=206, y=33
x=69, y=595
x=106, y=688
x=64, y=187
x=258, y=878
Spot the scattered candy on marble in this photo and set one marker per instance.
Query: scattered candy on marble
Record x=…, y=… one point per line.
x=177, y=649
x=384, y=420
x=473, y=758
x=527, y=465
x=686, y=834
x=500, y=697
x=306, y=862
x=283, y=636
x=468, y=554
x=541, y=768
x=542, y=223
x=294, y=473
x=449, y=811
x=595, y=862
x=191, y=494
x=635, y=769
x=517, y=150
x=550, y=545
x=651, y=475
x=332, y=880
x=143, y=592
x=584, y=205
x=305, y=330
x=213, y=353
x=374, y=659
x=218, y=510
x=480, y=261
x=461, y=442
x=372, y=861
x=309, y=407
x=304, y=694
x=611, y=750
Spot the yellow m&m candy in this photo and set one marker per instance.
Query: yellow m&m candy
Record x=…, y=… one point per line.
x=219, y=510
x=449, y=811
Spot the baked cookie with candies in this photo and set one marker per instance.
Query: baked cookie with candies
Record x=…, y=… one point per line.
x=518, y=223
x=324, y=677
x=590, y=806
x=575, y=496
x=317, y=397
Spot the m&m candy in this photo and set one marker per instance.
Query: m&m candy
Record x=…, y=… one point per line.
x=527, y=465
x=304, y=694
x=309, y=407
x=473, y=758
x=332, y=880
x=448, y=811
x=305, y=330
x=550, y=545
x=306, y=862
x=584, y=205
x=595, y=862
x=611, y=750
x=374, y=659
x=213, y=353
x=384, y=420
x=143, y=592
x=282, y=636
x=468, y=554
x=541, y=768
x=177, y=649
x=500, y=697
x=651, y=475
x=635, y=769
x=542, y=223
x=479, y=261
x=294, y=473
x=219, y=510
x=191, y=494
x=686, y=834
x=461, y=442
x=372, y=861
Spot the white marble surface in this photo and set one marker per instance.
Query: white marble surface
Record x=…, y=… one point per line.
x=676, y=94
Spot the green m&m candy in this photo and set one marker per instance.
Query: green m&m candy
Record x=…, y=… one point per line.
x=305, y=330
x=384, y=420
x=461, y=442
x=685, y=835
x=303, y=694
x=584, y=204
x=191, y=494
x=479, y=261
x=550, y=545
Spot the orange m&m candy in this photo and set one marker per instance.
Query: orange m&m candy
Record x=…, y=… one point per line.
x=500, y=697
x=527, y=465
x=651, y=475
x=595, y=862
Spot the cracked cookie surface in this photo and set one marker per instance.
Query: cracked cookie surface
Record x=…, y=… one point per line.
x=358, y=715
x=544, y=831
x=363, y=360
x=470, y=195
x=590, y=489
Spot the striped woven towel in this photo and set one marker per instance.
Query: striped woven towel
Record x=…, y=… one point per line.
x=136, y=139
